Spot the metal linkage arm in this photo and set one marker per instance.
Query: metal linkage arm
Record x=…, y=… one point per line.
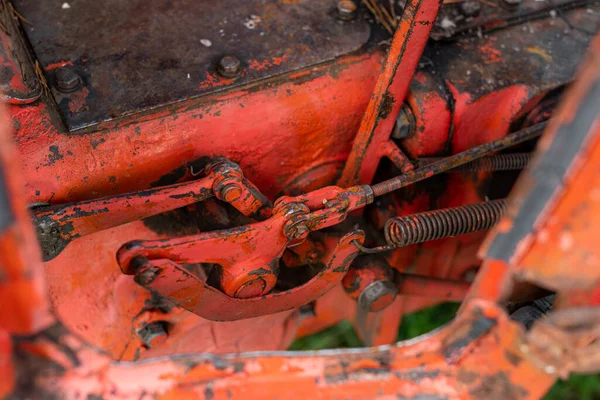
x=57, y=226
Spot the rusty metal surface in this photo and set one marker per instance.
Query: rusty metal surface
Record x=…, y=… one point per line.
x=192, y=293
x=57, y=226
x=482, y=354
x=457, y=20
x=519, y=55
x=390, y=91
x=303, y=139
x=572, y=133
x=19, y=83
x=133, y=55
x=454, y=161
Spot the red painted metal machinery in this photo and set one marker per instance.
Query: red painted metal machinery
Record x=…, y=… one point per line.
x=187, y=187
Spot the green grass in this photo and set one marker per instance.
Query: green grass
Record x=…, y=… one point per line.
x=342, y=335
x=577, y=387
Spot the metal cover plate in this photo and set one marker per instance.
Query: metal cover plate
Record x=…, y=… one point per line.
x=137, y=54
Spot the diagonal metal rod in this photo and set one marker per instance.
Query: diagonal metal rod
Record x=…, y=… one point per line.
x=501, y=162
x=391, y=87
x=454, y=161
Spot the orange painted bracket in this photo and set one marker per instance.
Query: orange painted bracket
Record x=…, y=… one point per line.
x=57, y=226
x=192, y=293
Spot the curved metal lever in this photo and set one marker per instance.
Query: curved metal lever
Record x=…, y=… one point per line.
x=190, y=292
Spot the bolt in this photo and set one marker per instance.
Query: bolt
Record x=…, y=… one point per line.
x=67, y=80
x=153, y=333
x=346, y=10
x=377, y=295
x=469, y=8
x=231, y=193
x=300, y=231
x=510, y=4
x=405, y=123
x=252, y=288
x=229, y=66
x=147, y=277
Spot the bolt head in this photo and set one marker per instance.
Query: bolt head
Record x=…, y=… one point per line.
x=301, y=231
x=154, y=333
x=231, y=193
x=377, y=295
x=405, y=124
x=229, y=66
x=252, y=288
x=346, y=10
x=67, y=80
x=147, y=277
x=470, y=8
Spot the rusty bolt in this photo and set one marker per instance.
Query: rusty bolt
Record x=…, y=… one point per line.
x=67, y=80
x=252, y=288
x=346, y=10
x=153, y=333
x=510, y=4
x=469, y=8
x=300, y=231
x=377, y=295
x=405, y=123
x=147, y=277
x=231, y=193
x=229, y=66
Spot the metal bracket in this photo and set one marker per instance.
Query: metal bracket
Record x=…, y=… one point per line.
x=190, y=292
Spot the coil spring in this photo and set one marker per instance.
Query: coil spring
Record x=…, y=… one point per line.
x=502, y=162
x=439, y=224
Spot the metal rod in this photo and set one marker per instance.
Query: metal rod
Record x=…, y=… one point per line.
x=459, y=159
x=390, y=89
x=424, y=286
x=500, y=162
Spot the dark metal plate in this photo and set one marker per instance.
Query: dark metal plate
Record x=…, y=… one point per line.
x=542, y=54
x=477, y=18
x=139, y=54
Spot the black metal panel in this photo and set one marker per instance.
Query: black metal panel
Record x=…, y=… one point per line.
x=139, y=54
x=542, y=54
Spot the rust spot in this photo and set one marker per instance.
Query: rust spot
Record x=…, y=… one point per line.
x=473, y=331
x=387, y=105
x=53, y=156
x=512, y=358
x=498, y=387
x=417, y=375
